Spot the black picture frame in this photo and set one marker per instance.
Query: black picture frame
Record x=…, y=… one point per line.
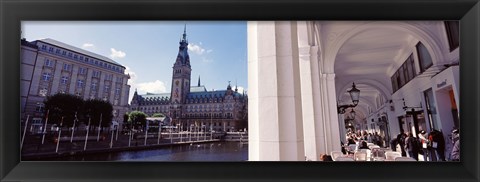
x=13, y=12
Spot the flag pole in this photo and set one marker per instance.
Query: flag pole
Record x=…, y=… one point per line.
x=45, y=128
x=86, y=136
x=159, y=131
x=111, y=140
x=99, y=127
x=73, y=128
x=146, y=132
x=59, y=135
x=24, y=131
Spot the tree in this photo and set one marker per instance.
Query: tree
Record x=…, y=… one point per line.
x=125, y=120
x=94, y=108
x=137, y=118
x=158, y=115
x=63, y=105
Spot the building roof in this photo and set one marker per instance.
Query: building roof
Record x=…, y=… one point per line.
x=198, y=89
x=195, y=92
x=156, y=95
x=81, y=51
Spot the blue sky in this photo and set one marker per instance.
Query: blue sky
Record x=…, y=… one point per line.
x=218, y=49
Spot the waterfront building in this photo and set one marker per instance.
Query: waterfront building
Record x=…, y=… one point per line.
x=300, y=71
x=194, y=107
x=49, y=67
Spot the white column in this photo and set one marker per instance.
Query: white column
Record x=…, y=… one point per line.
x=330, y=111
x=279, y=118
x=253, y=121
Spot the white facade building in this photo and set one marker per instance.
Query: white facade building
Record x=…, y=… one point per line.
x=299, y=72
x=49, y=67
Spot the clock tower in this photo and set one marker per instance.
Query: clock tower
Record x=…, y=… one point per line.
x=180, y=78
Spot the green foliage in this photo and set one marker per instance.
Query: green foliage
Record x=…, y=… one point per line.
x=158, y=115
x=67, y=105
x=137, y=118
x=96, y=108
x=63, y=105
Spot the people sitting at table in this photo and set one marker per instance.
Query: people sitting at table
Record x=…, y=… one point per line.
x=363, y=145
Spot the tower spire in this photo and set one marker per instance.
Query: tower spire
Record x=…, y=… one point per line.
x=185, y=33
x=198, y=80
x=236, y=87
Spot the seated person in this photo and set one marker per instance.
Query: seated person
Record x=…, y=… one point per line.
x=363, y=145
x=326, y=157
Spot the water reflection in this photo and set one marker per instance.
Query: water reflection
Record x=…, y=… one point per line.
x=218, y=151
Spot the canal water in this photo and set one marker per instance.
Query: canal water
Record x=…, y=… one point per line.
x=215, y=151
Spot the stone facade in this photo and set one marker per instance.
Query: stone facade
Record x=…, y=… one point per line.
x=49, y=67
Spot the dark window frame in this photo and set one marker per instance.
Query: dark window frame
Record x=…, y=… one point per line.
x=423, y=68
x=452, y=29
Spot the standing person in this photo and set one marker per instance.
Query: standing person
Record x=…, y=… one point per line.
x=411, y=146
x=401, y=142
x=393, y=144
x=455, y=154
x=425, y=142
x=438, y=144
x=369, y=138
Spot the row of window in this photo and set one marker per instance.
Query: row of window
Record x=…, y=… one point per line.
x=81, y=71
x=407, y=71
x=85, y=59
x=207, y=115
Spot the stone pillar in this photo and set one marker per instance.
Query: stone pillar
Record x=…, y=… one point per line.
x=73, y=80
x=253, y=121
x=56, y=76
x=341, y=126
x=88, y=85
x=277, y=121
x=332, y=130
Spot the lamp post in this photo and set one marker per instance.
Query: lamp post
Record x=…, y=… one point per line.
x=354, y=95
x=73, y=127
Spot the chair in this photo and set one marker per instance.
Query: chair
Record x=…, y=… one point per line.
x=377, y=154
x=390, y=156
x=404, y=159
x=351, y=148
x=386, y=149
x=368, y=151
x=343, y=158
x=373, y=146
x=336, y=154
x=360, y=156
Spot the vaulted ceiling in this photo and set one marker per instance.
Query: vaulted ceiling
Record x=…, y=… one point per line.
x=367, y=56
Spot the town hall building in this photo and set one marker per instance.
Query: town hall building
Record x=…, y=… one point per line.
x=190, y=106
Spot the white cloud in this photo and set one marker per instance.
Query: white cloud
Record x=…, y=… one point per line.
x=198, y=48
x=116, y=54
x=153, y=87
x=240, y=89
x=88, y=45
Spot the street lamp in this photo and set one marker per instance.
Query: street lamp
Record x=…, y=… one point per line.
x=354, y=95
x=352, y=114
